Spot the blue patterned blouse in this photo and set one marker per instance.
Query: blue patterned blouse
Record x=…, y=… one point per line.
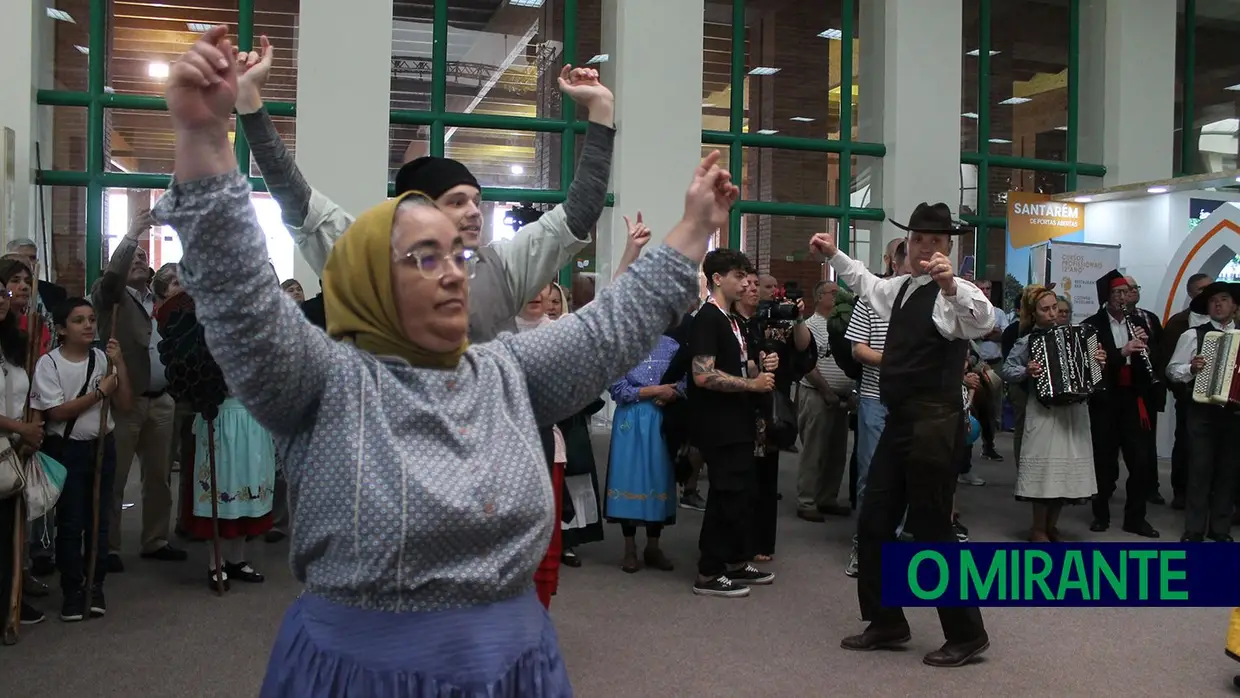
x=649, y=372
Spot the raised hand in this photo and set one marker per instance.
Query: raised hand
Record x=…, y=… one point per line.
x=939, y=267
x=253, y=69
x=202, y=85
x=711, y=194
x=823, y=244
x=583, y=87
x=639, y=233
x=142, y=222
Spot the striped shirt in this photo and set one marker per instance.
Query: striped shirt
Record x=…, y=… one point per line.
x=867, y=328
x=830, y=371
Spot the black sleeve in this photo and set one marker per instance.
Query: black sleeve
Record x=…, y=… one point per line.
x=1010, y=334
x=704, y=337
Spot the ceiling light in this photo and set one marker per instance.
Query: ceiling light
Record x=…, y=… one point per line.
x=1238, y=179
x=977, y=52
x=1083, y=199
x=159, y=71
x=60, y=15
x=762, y=70
x=1233, y=88
x=517, y=169
x=834, y=34
x=969, y=115
x=802, y=119
x=1157, y=190
x=707, y=105
x=1016, y=100
x=767, y=132
x=526, y=3
x=1061, y=128
x=599, y=58
x=199, y=27
x=999, y=140
x=82, y=49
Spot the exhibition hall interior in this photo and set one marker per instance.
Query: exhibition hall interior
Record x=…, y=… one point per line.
x=1068, y=138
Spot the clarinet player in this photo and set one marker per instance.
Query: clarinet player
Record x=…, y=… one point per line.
x=1121, y=414
x=1213, y=459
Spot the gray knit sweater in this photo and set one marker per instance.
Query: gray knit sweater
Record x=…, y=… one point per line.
x=414, y=488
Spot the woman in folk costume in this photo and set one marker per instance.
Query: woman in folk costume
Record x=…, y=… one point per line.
x=1056, y=456
x=244, y=478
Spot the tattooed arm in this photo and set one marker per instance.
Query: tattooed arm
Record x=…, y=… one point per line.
x=706, y=376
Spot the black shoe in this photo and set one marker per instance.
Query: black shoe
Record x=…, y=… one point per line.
x=1099, y=526
x=1156, y=498
x=113, y=564
x=1141, y=528
x=720, y=586
x=98, y=604
x=962, y=533
x=42, y=566
x=991, y=454
x=692, y=500
x=1177, y=502
x=274, y=536
x=167, y=554
x=877, y=639
x=750, y=575
x=73, y=608
x=568, y=558
x=954, y=654
x=835, y=510
x=1192, y=538
x=34, y=588
x=242, y=572
x=31, y=615
x=213, y=582
x=1222, y=539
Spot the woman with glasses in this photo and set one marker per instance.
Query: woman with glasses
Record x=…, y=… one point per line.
x=421, y=498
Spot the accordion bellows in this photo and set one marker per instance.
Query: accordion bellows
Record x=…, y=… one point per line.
x=1215, y=383
x=1070, y=372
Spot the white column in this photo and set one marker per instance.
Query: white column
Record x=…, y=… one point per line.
x=19, y=48
x=909, y=98
x=655, y=70
x=343, y=93
x=1127, y=116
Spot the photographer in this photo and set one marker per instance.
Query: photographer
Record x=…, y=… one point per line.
x=771, y=319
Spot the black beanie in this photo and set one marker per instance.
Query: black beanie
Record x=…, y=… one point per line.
x=433, y=176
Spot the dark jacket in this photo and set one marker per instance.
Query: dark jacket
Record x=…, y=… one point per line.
x=133, y=324
x=1154, y=392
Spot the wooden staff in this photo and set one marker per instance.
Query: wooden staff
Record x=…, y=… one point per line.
x=92, y=555
x=215, y=510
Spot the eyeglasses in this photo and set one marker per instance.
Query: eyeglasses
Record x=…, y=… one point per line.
x=433, y=265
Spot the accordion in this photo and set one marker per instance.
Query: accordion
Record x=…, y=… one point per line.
x=1216, y=382
x=1070, y=372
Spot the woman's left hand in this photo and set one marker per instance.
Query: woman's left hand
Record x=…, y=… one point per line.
x=1100, y=355
x=202, y=85
x=583, y=87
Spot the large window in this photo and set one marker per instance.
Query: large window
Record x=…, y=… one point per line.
x=779, y=99
x=1018, y=114
x=1207, y=87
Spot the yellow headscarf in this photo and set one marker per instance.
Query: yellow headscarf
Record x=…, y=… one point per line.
x=357, y=291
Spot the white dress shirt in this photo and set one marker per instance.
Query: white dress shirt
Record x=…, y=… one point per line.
x=1180, y=368
x=1120, y=335
x=158, y=381
x=966, y=315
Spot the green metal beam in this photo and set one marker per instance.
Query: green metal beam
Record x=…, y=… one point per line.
x=736, y=116
x=779, y=208
x=1031, y=164
x=985, y=221
x=439, y=75
x=760, y=140
x=96, y=76
x=492, y=121
x=1188, y=96
x=116, y=180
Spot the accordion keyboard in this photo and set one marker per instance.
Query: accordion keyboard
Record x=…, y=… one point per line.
x=1215, y=382
x=1203, y=381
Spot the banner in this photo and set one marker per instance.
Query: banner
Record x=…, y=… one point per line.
x=1075, y=269
x=1033, y=219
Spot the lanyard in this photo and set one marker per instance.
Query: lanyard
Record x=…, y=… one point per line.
x=736, y=331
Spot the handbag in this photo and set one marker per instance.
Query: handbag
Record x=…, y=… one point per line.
x=12, y=472
x=782, y=430
x=45, y=478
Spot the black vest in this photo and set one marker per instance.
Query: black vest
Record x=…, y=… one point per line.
x=918, y=361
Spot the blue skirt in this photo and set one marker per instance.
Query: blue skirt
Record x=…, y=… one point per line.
x=507, y=649
x=641, y=480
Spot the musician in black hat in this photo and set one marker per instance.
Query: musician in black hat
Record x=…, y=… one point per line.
x=1121, y=414
x=1213, y=459
x=932, y=316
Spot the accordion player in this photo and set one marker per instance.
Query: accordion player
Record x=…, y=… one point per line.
x=1071, y=370
x=1216, y=383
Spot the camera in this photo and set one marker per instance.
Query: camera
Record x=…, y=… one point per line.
x=783, y=307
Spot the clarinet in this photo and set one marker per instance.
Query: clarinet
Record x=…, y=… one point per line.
x=1145, y=353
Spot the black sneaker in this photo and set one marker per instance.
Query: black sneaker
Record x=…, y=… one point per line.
x=31, y=615
x=962, y=533
x=73, y=609
x=98, y=604
x=113, y=564
x=720, y=586
x=42, y=566
x=166, y=554
x=991, y=454
x=750, y=575
x=692, y=500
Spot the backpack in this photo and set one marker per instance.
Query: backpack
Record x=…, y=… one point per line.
x=838, y=345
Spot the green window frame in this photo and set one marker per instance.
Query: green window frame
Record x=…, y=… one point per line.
x=735, y=138
x=96, y=99
x=984, y=160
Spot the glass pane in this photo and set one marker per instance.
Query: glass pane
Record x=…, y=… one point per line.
x=790, y=176
x=67, y=263
x=779, y=245
x=68, y=147
x=589, y=42
x=164, y=247
x=146, y=37
x=865, y=177
x=1029, y=78
x=969, y=75
x=141, y=141
x=287, y=128
x=725, y=154
x=406, y=143
x=412, y=38
x=277, y=19
x=70, y=28
x=856, y=73
x=717, y=65
x=499, y=158
x=1002, y=180
x=1216, y=79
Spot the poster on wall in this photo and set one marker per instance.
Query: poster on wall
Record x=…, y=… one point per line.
x=1075, y=268
x=1200, y=209
x=1034, y=219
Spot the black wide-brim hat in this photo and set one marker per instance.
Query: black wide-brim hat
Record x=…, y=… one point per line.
x=1105, y=283
x=935, y=219
x=1201, y=304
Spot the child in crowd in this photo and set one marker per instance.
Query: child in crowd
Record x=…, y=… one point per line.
x=71, y=384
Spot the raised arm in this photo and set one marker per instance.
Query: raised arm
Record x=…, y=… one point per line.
x=274, y=361
x=111, y=287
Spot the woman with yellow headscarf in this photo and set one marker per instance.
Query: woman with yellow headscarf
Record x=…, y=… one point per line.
x=421, y=499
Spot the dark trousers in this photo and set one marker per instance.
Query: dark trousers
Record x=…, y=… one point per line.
x=852, y=462
x=1153, y=453
x=1181, y=448
x=727, y=524
x=8, y=539
x=1115, y=425
x=1213, y=463
x=74, y=515
x=914, y=468
x=765, y=504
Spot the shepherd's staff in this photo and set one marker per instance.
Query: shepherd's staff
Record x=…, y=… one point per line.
x=92, y=555
x=215, y=509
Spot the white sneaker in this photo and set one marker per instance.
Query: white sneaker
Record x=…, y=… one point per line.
x=851, y=569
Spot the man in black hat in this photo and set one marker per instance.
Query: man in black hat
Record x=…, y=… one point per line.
x=1213, y=459
x=509, y=273
x=932, y=317
x=1120, y=414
